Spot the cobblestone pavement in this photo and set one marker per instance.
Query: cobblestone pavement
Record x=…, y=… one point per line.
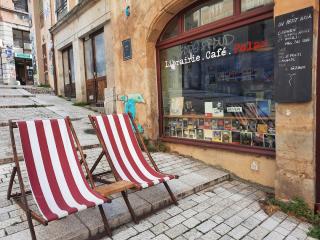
x=229, y=210
x=13, y=224
x=45, y=106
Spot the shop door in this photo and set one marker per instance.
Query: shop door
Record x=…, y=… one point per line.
x=68, y=73
x=95, y=67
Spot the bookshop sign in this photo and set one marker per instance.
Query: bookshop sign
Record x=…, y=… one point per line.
x=225, y=46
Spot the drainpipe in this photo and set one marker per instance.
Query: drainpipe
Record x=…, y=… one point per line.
x=317, y=168
x=55, y=80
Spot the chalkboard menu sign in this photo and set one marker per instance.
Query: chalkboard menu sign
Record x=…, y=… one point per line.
x=293, y=56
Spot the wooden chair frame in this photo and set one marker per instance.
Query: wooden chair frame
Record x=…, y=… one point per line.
x=104, y=152
x=21, y=198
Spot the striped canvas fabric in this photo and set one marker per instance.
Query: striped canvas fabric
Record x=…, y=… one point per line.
x=124, y=151
x=56, y=179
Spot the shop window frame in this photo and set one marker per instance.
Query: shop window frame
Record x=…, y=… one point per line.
x=238, y=19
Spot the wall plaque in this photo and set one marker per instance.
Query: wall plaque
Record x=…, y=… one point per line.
x=127, y=51
x=293, y=56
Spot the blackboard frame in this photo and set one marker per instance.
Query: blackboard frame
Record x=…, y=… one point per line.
x=293, y=56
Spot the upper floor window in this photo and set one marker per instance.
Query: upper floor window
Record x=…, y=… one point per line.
x=21, y=41
x=20, y=5
x=61, y=8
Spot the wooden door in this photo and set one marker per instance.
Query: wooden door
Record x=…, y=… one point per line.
x=68, y=73
x=95, y=67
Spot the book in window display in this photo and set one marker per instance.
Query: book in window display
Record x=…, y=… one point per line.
x=252, y=125
x=207, y=124
x=217, y=109
x=262, y=127
x=220, y=124
x=201, y=123
x=179, y=132
x=173, y=131
x=208, y=109
x=185, y=122
x=235, y=136
x=176, y=106
x=244, y=124
x=216, y=136
x=269, y=141
x=271, y=127
x=200, y=134
x=246, y=138
x=226, y=136
x=235, y=124
x=214, y=124
x=188, y=108
x=207, y=134
x=192, y=134
x=190, y=124
x=227, y=124
x=258, y=139
x=185, y=133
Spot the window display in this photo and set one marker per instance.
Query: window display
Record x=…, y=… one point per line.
x=220, y=88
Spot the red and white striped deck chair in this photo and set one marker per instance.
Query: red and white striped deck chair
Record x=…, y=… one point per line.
x=125, y=157
x=56, y=179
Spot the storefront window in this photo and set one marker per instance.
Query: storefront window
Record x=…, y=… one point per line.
x=220, y=88
x=171, y=30
x=251, y=4
x=207, y=13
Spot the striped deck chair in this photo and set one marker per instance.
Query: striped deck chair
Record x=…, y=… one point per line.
x=56, y=179
x=121, y=147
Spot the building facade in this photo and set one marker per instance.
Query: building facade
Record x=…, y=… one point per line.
x=16, y=63
x=212, y=77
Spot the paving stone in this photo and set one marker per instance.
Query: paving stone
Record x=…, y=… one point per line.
x=299, y=233
x=159, y=228
x=258, y=233
x=251, y=223
x=176, y=231
x=189, y=213
x=161, y=237
x=305, y=226
x=155, y=219
x=274, y=236
x=234, y=221
x=270, y=224
x=192, y=234
x=174, y=210
x=191, y=222
x=2, y=233
x=226, y=237
x=202, y=216
x=144, y=236
x=212, y=235
x=175, y=220
x=143, y=225
x=287, y=224
x=282, y=230
x=217, y=219
x=222, y=229
x=125, y=234
x=261, y=215
x=206, y=226
x=238, y=232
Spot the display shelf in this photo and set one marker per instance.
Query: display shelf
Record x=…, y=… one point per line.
x=211, y=117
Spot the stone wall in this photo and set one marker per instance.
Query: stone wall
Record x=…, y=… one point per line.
x=296, y=124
